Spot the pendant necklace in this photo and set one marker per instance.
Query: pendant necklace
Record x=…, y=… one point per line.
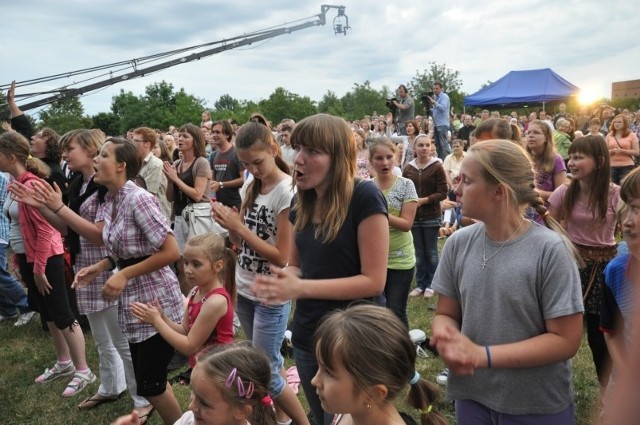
x=485, y=260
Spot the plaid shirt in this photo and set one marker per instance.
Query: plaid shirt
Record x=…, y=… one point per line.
x=139, y=229
x=90, y=298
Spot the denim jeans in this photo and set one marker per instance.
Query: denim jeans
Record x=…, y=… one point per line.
x=396, y=291
x=442, y=144
x=425, y=241
x=13, y=298
x=307, y=366
x=264, y=326
x=471, y=412
x=619, y=173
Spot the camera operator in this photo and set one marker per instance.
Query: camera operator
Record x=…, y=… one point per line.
x=406, y=109
x=441, y=108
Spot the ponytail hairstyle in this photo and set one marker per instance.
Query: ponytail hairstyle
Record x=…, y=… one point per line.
x=373, y=346
x=214, y=248
x=331, y=135
x=233, y=369
x=126, y=151
x=506, y=163
x=596, y=148
x=14, y=143
x=254, y=135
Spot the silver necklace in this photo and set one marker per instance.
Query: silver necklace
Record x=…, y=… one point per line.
x=485, y=260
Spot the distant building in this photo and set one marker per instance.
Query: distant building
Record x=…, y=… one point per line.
x=625, y=90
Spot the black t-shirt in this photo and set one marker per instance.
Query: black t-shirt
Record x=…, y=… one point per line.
x=336, y=259
x=226, y=166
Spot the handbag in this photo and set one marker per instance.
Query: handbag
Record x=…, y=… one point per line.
x=633, y=158
x=200, y=221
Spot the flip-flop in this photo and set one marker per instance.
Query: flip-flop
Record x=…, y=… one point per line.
x=93, y=402
x=142, y=419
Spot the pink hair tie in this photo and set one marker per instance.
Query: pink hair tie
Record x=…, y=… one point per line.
x=266, y=400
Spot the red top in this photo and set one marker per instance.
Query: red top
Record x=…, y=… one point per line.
x=41, y=239
x=223, y=332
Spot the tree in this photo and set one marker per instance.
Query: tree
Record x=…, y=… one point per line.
x=362, y=100
x=331, y=104
x=284, y=104
x=159, y=107
x=107, y=122
x=451, y=83
x=65, y=115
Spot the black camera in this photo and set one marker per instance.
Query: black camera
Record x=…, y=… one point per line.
x=426, y=99
x=392, y=106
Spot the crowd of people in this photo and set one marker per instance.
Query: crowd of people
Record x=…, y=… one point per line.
x=340, y=217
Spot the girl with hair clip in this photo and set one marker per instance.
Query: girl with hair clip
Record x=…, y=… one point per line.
x=623, y=148
x=228, y=386
x=511, y=313
x=549, y=166
x=402, y=201
x=208, y=317
x=188, y=179
x=130, y=224
x=41, y=267
x=263, y=233
x=587, y=210
x=366, y=359
x=340, y=242
x=85, y=197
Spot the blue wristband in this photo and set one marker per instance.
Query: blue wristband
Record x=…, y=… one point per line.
x=486, y=348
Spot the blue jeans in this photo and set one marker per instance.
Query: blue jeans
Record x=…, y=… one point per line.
x=264, y=326
x=619, y=173
x=307, y=366
x=442, y=144
x=396, y=291
x=13, y=298
x=425, y=241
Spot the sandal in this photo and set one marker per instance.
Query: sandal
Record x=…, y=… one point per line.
x=57, y=371
x=142, y=419
x=416, y=292
x=97, y=400
x=78, y=383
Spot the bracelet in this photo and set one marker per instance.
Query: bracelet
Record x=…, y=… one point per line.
x=112, y=262
x=486, y=348
x=58, y=209
x=221, y=185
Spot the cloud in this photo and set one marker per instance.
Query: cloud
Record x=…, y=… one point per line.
x=581, y=40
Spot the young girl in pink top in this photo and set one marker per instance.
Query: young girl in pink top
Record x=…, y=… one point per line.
x=208, y=318
x=42, y=269
x=587, y=210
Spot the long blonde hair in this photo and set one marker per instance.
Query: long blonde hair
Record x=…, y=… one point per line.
x=330, y=135
x=14, y=143
x=506, y=163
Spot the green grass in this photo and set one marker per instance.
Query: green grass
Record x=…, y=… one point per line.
x=25, y=352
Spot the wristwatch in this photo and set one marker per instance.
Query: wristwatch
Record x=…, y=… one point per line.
x=221, y=185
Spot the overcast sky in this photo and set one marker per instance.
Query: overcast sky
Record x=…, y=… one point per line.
x=590, y=43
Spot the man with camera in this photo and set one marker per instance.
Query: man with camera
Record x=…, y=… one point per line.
x=406, y=108
x=441, y=107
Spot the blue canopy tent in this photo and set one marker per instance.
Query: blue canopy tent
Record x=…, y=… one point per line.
x=519, y=87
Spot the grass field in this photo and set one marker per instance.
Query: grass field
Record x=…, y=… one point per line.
x=25, y=352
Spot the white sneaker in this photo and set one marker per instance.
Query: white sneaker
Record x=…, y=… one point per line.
x=443, y=377
x=428, y=293
x=24, y=318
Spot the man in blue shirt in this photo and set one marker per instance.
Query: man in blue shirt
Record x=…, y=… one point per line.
x=441, y=108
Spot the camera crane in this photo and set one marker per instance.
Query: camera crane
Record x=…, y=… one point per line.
x=128, y=70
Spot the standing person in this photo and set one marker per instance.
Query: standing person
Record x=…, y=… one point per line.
x=263, y=233
x=362, y=155
x=42, y=269
x=208, y=316
x=441, y=108
x=406, y=109
x=430, y=181
x=402, y=201
x=549, y=166
x=411, y=128
x=13, y=298
x=587, y=210
x=189, y=178
x=340, y=240
x=495, y=331
x=227, y=170
x=366, y=360
x=623, y=148
x=151, y=174
x=132, y=227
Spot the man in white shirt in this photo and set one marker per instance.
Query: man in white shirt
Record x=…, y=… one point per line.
x=151, y=176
